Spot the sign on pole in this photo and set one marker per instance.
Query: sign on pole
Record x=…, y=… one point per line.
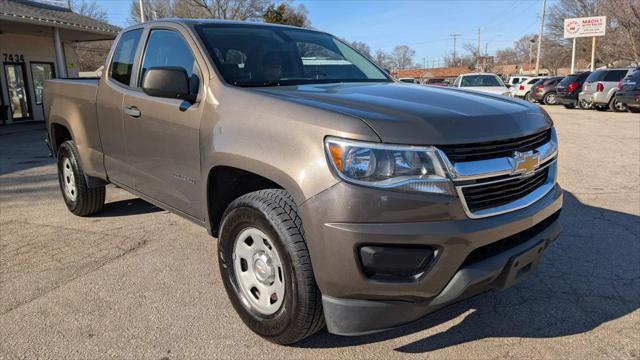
x=584, y=27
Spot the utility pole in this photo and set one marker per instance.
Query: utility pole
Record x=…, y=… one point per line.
x=455, y=37
x=478, y=52
x=544, y=5
x=141, y=12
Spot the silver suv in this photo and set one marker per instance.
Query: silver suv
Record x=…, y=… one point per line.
x=601, y=86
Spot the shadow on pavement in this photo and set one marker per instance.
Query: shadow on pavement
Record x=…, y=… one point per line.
x=127, y=207
x=589, y=276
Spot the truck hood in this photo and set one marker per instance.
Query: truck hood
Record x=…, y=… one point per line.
x=421, y=115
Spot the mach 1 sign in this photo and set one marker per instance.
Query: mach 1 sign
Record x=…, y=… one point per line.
x=585, y=27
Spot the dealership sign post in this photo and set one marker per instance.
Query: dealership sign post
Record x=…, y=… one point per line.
x=584, y=27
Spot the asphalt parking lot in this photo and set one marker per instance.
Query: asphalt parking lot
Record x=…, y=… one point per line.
x=138, y=282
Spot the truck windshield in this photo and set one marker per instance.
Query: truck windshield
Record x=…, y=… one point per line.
x=255, y=55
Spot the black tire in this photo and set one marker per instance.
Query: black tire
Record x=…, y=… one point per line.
x=527, y=96
x=634, y=110
x=614, y=105
x=601, y=108
x=273, y=212
x=88, y=200
x=569, y=106
x=550, y=98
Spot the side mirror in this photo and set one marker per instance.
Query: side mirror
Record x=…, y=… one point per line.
x=167, y=82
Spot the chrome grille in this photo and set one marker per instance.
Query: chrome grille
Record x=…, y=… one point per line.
x=498, y=193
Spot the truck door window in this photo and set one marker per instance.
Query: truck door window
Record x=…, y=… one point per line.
x=124, y=55
x=168, y=48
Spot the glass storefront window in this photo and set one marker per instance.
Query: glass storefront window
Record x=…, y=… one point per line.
x=40, y=72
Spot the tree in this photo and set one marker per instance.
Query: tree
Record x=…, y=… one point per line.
x=622, y=39
x=284, y=13
x=91, y=54
x=402, y=56
x=383, y=59
x=153, y=10
x=231, y=9
x=89, y=8
x=361, y=47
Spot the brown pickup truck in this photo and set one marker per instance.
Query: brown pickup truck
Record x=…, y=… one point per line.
x=337, y=194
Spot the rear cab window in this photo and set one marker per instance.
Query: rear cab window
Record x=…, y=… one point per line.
x=124, y=55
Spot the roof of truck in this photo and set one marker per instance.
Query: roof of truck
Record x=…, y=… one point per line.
x=194, y=22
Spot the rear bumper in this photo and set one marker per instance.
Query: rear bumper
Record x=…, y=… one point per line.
x=341, y=220
x=568, y=99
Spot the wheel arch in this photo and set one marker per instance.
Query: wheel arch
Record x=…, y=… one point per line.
x=227, y=182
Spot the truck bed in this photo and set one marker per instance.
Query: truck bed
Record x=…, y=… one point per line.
x=71, y=103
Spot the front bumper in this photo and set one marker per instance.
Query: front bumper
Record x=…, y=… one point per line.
x=342, y=219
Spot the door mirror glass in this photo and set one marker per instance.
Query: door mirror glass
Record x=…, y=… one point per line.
x=167, y=82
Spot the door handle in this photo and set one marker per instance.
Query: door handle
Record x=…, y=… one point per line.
x=133, y=111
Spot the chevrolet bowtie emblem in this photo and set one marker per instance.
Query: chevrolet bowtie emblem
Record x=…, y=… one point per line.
x=525, y=163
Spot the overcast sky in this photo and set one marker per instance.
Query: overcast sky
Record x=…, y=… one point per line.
x=425, y=25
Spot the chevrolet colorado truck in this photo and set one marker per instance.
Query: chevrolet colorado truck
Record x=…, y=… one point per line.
x=338, y=196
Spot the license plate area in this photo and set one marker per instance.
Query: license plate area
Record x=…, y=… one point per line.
x=520, y=266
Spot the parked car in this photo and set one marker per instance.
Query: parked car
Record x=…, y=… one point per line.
x=628, y=93
x=601, y=86
x=408, y=80
x=482, y=82
x=437, y=82
x=569, y=88
x=544, y=90
x=523, y=90
x=516, y=79
x=314, y=175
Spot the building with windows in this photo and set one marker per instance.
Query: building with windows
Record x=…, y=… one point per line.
x=36, y=44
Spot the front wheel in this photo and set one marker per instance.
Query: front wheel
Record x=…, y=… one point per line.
x=266, y=268
x=617, y=106
x=80, y=199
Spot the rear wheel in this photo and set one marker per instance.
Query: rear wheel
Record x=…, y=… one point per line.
x=266, y=268
x=527, y=96
x=616, y=106
x=550, y=98
x=585, y=105
x=80, y=199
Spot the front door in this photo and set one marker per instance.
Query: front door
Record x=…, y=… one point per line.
x=162, y=135
x=19, y=105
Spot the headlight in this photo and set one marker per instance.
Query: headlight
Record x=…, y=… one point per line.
x=408, y=168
